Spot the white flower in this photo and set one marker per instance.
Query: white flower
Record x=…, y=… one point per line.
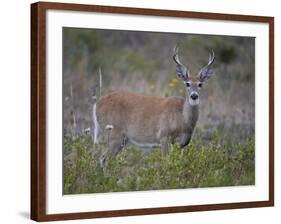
x=87, y=130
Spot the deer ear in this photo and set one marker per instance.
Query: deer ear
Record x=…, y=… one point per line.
x=182, y=72
x=205, y=74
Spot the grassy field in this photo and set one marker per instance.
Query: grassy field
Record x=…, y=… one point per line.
x=217, y=163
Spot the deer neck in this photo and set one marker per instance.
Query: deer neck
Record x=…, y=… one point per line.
x=190, y=114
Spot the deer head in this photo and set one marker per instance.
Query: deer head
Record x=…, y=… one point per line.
x=193, y=84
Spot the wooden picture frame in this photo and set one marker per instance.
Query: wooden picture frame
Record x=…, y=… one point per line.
x=39, y=109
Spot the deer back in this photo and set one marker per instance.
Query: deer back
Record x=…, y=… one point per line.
x=144, y=118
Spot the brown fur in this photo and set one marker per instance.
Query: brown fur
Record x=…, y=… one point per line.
x=145, y=119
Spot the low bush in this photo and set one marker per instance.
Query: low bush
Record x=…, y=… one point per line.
x=214, y=164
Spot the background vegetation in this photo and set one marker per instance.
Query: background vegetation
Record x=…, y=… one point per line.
x=222, y=149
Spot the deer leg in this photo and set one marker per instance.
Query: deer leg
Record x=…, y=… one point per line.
x=185, y=139
x=115, y=142
x=164, y=142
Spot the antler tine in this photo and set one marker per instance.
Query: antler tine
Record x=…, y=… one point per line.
x=176, y=49
x=211, y=57
x=176, y=55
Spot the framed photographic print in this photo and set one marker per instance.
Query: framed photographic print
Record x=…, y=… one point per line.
x=143, y=111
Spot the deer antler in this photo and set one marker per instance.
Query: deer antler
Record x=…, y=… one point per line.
x=206, y=72
x=182, y=71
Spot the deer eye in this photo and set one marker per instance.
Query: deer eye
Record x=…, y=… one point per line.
x=199, y=84
x=187, y=84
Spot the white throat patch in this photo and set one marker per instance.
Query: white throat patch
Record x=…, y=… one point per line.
x=193, y=102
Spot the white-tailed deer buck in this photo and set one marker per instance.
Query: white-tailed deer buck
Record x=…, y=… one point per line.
x=151, y=121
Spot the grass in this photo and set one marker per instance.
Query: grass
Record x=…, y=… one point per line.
x=218, y=162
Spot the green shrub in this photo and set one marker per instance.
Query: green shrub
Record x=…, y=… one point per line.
x=217, y=163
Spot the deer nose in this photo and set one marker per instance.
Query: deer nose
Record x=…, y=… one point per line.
x=194, y=96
